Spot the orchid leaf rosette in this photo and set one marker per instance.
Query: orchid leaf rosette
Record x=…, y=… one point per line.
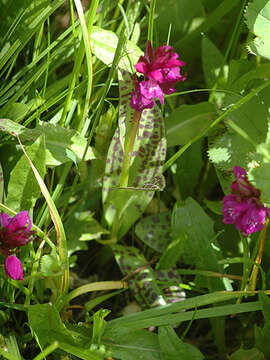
x=161, y=70
x=243, y=207
x=15, y=232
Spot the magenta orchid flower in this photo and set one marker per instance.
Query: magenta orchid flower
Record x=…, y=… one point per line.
x=243, y=207
x=15, y=232
x=161, y=70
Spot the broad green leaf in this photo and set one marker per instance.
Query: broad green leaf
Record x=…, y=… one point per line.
x=251, y=354
x=230, y=149
x=154, y=230
x=81, y=353
x=187, y=121
x=214, y=206
x=258, y=17
x=23, y=189
x=262, y=334
x=174, y=348
x=244, y=117
x=260, y=178
x=212, y=60
x=258, y=21
x=184, y=16
x=104, y=43
x=125, y=206
x=238, y=68
x=187, y=177
x=50, y=265
x=16, y=111
x=129, y=344
x=260, y=47
x=12, y=346
x=172, y=253
x=190, y=222
x=81, y=226
x=62, y=145
x=46, y=323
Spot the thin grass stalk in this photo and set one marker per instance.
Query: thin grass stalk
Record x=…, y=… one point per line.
x=84, y=45
x=60, y=232
x=151, y=21
x=229, y=47
x=255, y=270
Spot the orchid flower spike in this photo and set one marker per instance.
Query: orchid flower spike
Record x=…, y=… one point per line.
x=161, y=70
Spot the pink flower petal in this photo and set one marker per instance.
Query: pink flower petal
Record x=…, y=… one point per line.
x=4, y=219
x=151, y=90
x=20, y=221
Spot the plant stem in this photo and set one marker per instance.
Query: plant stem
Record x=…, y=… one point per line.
x=129, y=144
x=254, y=274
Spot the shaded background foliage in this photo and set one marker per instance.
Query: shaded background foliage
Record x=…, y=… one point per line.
x=62, y=66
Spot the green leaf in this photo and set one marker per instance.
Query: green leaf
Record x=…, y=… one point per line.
x=50, y=265
x=230, y=149
x=129, y=344
x=260, y=178
x=244, y=117
x=258, y=17
x=190, y=222
x=99, y=325
x=174, y=348
x=104, y=44
x=172, y=253
x=45, y=321
x=62, y=145
x=187, y=121
x=16, y=111
x=262, y=335
x=258, y=21
x=212, y=59
x=187, y=177
x=251, y=354
x=184, y=16
x=260, y=47
x=154, y=230
x=23, y=189
x=12, y=345
x=81, y=226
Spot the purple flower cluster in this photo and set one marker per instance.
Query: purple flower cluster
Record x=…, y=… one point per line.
x=161, y=70
x=243, y=207
x=15, y=232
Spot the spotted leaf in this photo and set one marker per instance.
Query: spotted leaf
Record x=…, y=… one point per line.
x=154, y=230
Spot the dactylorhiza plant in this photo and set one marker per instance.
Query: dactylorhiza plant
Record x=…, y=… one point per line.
x=161, y=70
x=243, y=207
x=15, y=232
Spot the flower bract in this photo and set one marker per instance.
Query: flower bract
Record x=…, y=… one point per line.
x=13, y=268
